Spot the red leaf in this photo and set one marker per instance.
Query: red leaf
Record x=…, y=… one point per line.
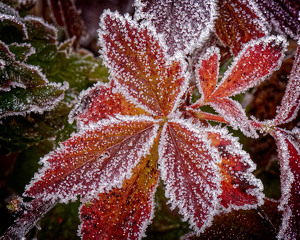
x=233, y=112
x=289, y=152
x=123, y=213
x=137, y=61
x=207, y=72
x=257, y=60
x=290, y=103
x=185, y=24
x=238, y=23
x=97, y=158
x=103, y=101
x=190, y=172
x=240, y=188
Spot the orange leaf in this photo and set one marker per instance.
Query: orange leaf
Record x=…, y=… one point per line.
x=123, y=213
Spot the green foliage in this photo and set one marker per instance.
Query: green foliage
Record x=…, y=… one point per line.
x=40, y=80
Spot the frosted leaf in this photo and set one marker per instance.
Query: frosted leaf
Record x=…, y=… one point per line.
x=126, y=212
x=239, y=22
x=102, y=101
x=283, y=15
x=10, y=17
x=19, y=101
x=184, y=24
x=207, y=71
x=38, y=29
x=288, y=146
x=233, y=112
x=17, y=74
x=291, y=100
x=241, y=190
x=188, y=167
x=257, y=60
x=21, y=51
x=31, y=213
x=137, y=62
x=99, y=157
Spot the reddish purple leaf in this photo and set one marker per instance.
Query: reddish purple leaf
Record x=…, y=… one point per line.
x=289, y=153
x=67, y=16
x=185, y=25
x=189, y=170
x=240, y=188
x=283, y=14
x=207, y=72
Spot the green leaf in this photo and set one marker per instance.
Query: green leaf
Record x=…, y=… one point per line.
x=19, y=101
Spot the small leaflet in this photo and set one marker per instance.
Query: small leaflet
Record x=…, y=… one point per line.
x=137, y=62
x=233, y=112
x=99, y=157
x=239, y=21
x=256, y=61
x=103, y=101
x=207, y=72
x=283, y=15
x=241, y=190
x=289, y=153
x=184, y=25
x=188, y=167
x=126, y=212
x=290, y=103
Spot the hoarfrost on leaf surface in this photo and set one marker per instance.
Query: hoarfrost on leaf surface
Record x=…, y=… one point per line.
x=290, y=103
x=257, y=60
x=184, y=25
x=93, y=160
x=188, y=168
x=133, y=124
x=137, y=62
x=289, y=153
x=283, y=15
x=123, y=212
x=239, y=21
